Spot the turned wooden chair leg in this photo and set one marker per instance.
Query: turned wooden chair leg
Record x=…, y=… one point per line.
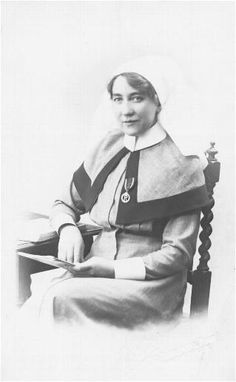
x=201, y=282
x=201, y=277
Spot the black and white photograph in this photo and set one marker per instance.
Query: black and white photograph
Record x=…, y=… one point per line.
x=118, y=191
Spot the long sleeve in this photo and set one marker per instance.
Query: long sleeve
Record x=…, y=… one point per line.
x=67, y=208
x=178, y=247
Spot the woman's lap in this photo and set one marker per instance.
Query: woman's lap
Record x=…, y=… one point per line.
x=124, y=303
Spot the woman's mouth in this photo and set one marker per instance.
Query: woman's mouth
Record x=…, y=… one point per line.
x=130, y=122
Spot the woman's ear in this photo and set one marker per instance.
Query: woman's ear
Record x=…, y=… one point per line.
x=158, y=108
x=158, y=104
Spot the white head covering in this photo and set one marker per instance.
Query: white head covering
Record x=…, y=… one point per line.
x=181, y=107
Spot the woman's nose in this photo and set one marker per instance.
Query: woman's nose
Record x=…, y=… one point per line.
x=127, y=108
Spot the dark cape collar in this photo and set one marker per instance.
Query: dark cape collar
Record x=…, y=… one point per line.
x=165, y=183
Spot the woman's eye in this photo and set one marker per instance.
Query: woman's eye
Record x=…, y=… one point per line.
x=117, y=99
x=137, y=99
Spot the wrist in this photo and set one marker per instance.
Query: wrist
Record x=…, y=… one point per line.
x=66, y=225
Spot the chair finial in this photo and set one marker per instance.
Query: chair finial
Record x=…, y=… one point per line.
x=211, y=153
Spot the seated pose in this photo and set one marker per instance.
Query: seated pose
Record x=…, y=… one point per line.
x=147, y=195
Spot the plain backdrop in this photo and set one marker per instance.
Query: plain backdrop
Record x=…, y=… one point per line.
x=56, y=60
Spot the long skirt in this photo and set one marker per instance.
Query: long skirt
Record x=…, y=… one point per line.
x=58, y=297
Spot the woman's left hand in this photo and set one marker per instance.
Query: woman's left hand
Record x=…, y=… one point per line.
x=94, y=267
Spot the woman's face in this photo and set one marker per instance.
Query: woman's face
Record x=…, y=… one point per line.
x=134, y=111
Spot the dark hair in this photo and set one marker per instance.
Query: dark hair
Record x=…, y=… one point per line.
x=137, y=82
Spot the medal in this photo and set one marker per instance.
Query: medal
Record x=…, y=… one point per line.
x=125, y=197
x=129, y=183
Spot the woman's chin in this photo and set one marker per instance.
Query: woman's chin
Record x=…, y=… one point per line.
x=132, y=131
x=132, y=134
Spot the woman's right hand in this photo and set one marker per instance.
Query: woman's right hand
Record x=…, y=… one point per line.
x=71, y=244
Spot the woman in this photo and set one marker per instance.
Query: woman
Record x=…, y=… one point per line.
x=147, y=196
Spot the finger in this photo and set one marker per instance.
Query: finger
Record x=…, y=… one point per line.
x=77, y=272
x=70, y=255
x=82, y=268
x=61, y=253
x=77, y=258
x=81, y=249
x=81, y=254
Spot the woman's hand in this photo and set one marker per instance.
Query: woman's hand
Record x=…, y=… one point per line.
x=71, y=244
x=94, y=267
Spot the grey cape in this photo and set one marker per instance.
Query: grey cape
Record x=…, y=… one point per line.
x=165, y=182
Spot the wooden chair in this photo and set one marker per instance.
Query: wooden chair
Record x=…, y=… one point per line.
x=200, y=279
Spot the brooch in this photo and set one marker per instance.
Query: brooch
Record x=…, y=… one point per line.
x=129, y=183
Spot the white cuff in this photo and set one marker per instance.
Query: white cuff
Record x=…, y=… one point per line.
x=132, y=269
x=60, y=220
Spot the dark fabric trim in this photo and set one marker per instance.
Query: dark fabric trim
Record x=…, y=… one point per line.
x=89, y=193
x=82, y=184
x=132, y=166
x=134, y=212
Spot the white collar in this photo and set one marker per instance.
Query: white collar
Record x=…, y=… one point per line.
x=149, y=138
